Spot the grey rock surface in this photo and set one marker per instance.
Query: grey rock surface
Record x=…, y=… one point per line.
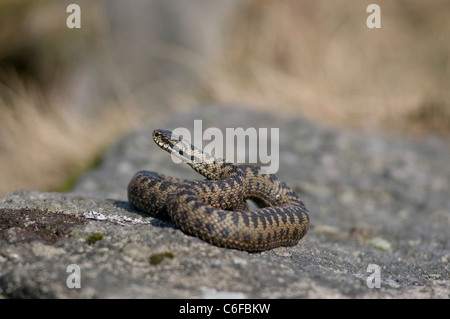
x=374, y=200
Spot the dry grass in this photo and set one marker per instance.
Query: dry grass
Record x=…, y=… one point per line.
x=315, y=58
x=44, y=145
x=319, y=58
x=46, y=141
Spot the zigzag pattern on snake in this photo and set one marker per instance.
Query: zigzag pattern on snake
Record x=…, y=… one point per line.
x=215, y=209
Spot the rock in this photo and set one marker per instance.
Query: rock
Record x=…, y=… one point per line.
x=381, y=244
x=360, y=187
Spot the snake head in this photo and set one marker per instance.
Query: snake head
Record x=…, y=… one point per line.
x=174, y=144
x=166, y=139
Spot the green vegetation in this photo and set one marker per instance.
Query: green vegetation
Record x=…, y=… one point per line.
x=156, y=259
x=92, y=239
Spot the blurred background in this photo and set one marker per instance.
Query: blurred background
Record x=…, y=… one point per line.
x=66, y=94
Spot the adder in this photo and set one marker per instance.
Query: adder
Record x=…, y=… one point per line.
x=215, y=209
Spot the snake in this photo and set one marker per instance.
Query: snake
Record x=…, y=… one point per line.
x=215, y=209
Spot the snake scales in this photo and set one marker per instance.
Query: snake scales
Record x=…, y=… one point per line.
x=215, y=209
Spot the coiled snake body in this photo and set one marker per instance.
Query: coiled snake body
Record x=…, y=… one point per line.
x=215, y=209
